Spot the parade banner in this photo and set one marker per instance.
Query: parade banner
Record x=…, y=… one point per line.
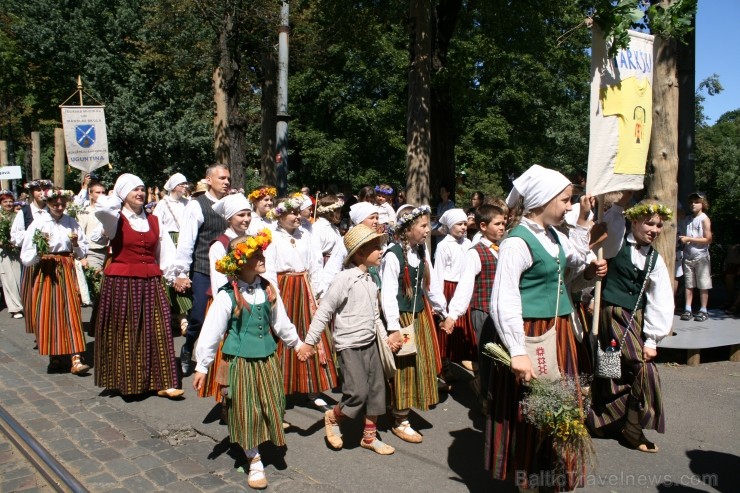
x=621, y=114
x=85, y=137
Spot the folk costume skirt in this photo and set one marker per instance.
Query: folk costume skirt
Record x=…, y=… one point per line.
x=462, y=344
x=134, y=351
x=180, y=303
x=415, y=382
x=318, y=373
x=515, y=448
x=10, y=273
x=53, y=311
x=639, y=388
x=256, y=401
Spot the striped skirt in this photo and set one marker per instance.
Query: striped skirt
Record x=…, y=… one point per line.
x=462, y=344
x=513, y=446
x=639, y=388
x=319, y=373
x=180, y=303
x=134, y=351
x=415, y=382
x=27, y=276
x=257, y=401
x=53, y=308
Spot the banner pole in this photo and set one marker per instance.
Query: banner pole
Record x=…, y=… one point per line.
x=599, y=256
x=79, y=88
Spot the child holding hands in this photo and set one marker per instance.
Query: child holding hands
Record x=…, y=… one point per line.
x=249, y=311
x=352, y=301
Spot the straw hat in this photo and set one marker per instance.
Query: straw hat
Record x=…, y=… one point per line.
x=358, y=236
x=200, y=188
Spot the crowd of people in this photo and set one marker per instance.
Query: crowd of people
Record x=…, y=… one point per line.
x=275, y=298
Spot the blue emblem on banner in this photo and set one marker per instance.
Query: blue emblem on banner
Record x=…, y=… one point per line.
x=85, y=135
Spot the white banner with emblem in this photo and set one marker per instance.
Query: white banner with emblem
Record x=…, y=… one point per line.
x=85, y=136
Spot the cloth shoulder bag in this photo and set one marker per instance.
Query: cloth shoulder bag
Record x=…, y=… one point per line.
x=543, y=350
x=408, y=334
x=609, y=363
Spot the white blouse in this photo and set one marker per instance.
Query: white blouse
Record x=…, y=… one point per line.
x=18, y=228
x=217, y=321
x=258, y=224
x=58, y=238
x=513, y=259
x=325, y=236
x=466, y=285
x=293, y=253
x=216, y=253
x=449, y=258
x=108, y=211
x=389, y=272
x=170, y=213
x=333, y=266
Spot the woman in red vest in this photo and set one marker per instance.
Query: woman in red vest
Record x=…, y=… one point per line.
x=134, y=351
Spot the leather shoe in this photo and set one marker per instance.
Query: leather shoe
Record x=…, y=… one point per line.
x=185, y=363
x=171, y=393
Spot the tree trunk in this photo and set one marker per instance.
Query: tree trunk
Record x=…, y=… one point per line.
x=220, y=119
x=418, y=126
x=268, y=105
x=661, y=178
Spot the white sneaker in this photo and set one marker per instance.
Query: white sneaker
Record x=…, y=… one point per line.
x=18, y=315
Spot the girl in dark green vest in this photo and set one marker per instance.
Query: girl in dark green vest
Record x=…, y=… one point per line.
x=634, y=322
x=249, y=311
x=409, y=291
x=529, y=299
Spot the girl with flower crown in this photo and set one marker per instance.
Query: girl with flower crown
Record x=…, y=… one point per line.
x=53, y=311
x=298, y=267
x=262, y=200
x=247, y=311
x=636, y=313
x=325, y=234
x=409, y=291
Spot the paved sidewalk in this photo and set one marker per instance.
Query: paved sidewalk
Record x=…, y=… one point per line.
x=16, y=473
x=154, y=444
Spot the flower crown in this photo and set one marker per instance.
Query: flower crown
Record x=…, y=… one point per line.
x=38, y=184
x=384, y=189
x=6, y=192
x=293, y=203
x=231, y=264
x=323, y=209
x=648, y=209
x=409, y=217
x=261, y=193
x=53, y=193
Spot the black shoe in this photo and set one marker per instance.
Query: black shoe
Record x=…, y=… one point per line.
x=185, y=363
x=686, y=316
x=701, y=317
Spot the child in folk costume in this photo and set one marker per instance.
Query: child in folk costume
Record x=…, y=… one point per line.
x=352, y=302
x=237, y=211
x=636, y=313
x=460, y=345
x=50, y=246
x=298, y=267
x=10, y=262
x=383, y=199
x=325, y=234
x=529, y=299
x=134, y=351
x=170, y=211
x=476, y=285
x=262, y=200
x=408, y=288
x=306, y=211
x=247, y=311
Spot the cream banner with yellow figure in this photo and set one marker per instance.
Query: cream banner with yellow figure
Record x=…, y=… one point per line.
x=621, y=114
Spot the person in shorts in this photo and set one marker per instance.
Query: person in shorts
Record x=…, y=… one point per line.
x=696, y=262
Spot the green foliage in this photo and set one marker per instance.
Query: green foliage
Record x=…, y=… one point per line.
x=712, y=86
x=674, y=21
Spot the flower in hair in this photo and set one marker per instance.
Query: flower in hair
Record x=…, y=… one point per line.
x=406, y=219
x=322, y=209
x=384, y=189
x=231, y=264
x=55, y=193
x=648, y=209
x=291, y=204
x=261, y=193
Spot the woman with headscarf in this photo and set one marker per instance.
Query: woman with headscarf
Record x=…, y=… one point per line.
x=529, y=299
x=134, y=351
x=170, y=211
x=10, y=262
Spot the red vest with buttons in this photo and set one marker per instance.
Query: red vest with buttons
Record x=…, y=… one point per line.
x=484, y=281
x=134, y=252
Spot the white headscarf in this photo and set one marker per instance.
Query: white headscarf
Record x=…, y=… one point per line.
x=537, y=186
x=306, y=202
x=361, y=211
x=125, y=183
x=175, y=180
x=231, y=204
x=452, y=217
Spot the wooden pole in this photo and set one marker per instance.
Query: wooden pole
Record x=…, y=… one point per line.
x=600, y=256
x=59, y=157
x=4, y=162
x=35, y=155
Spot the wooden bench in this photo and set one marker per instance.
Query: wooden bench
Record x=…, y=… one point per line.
x=719, y=331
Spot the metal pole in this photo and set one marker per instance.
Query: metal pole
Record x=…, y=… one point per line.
x=281, y=143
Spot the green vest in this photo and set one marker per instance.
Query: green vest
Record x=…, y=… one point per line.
x=539, y=285
x=623, y=281
x=416, y=275
x=249, y=334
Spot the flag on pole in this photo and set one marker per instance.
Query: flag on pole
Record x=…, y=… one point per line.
x=85, y=137
x=621, y=114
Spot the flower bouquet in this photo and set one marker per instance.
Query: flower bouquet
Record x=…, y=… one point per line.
x=558, y=410
x=41, y=242
x=5, y=224
x=94, y=279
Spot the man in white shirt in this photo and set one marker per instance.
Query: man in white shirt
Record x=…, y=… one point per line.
x=97, y=250
x=35, y=209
